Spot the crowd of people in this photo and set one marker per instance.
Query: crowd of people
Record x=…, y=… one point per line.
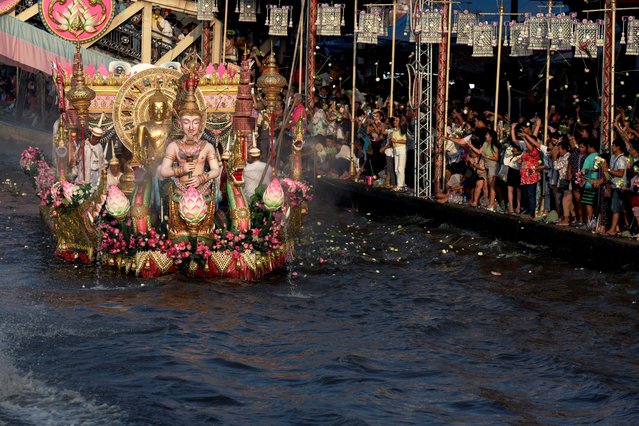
x=501, y=164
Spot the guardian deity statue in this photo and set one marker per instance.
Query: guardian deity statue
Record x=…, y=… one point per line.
x=193, y=165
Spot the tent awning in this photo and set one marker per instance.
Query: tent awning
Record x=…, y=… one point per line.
x=32, y=49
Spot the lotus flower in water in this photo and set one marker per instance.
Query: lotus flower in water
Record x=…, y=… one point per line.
x=192, y=207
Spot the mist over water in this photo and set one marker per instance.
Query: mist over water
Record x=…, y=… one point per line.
x=376, y=321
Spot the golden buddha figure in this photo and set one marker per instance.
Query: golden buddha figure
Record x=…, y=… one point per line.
x=151, y=136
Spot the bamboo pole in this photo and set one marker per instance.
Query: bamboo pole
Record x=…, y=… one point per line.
x=392, y=71
x=498, y=78
x=354, y=87
x=301, y=59
x=544, y=141
x=226, y=20
x=146, y=41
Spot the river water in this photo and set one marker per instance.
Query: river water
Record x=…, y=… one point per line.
x=377, y=321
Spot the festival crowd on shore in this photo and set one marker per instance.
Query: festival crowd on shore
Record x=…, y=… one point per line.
x=568, y=180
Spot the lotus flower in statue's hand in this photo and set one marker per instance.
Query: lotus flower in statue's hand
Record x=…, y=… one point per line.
x=67, y=190
x=273, y=197
x=117, y=204
x=192, y=207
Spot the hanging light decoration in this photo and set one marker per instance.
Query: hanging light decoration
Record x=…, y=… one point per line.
x=330, y=19
x=463, y=26
x=206, y=10
x=429, y=25
x=519, y=39
x=247, y=10
x=278, y=19
x=483, y=40
x=368, y=27
x=632, y=37
x=561, y=32
x=585, y=38
x=538, y=32
x=382, y=19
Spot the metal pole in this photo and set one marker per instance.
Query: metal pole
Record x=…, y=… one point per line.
x=498, y=78
x=226, y=19
x=392, y=82
x=354, y=87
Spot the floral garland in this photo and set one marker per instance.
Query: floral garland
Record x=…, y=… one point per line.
x=69, y=195
x=51, y=193
x=296, y=192
x=34, y=165
x=29, y=159
x=265, y=239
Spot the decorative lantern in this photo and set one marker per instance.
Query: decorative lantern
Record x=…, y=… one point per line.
x=271, y=82
x=538, y=32
x=368, y=28
x=206, y=10
x=463, y=26
x=382, y=19
x=561, y=32
x=484, y=39
x=632, y=42
x=278, y=19
x=330, y=19
x=247, y=10
x=429, y=25
x=519, y=39
x=80, y=95
x=585, y=38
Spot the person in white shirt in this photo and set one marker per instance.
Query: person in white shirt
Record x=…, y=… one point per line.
x=253, y=173
x=93, y=159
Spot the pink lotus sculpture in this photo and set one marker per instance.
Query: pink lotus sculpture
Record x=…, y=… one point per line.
x=117, y=204
x=273, y=197
x=192, y=207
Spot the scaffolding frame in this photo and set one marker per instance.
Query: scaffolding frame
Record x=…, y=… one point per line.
x=424, y=134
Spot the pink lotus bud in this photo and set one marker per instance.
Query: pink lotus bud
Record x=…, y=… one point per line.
x=192, y=207
x=273, y=197
x=67, y=190
x=117, y=204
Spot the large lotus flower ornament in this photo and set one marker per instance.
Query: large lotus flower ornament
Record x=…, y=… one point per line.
x=117, y=204
x=76, y=19
x=192, y=207
x=273, y=197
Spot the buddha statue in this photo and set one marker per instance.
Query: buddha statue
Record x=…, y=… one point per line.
x=150, y=137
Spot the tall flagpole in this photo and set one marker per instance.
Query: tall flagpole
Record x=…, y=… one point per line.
x=354, y=88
